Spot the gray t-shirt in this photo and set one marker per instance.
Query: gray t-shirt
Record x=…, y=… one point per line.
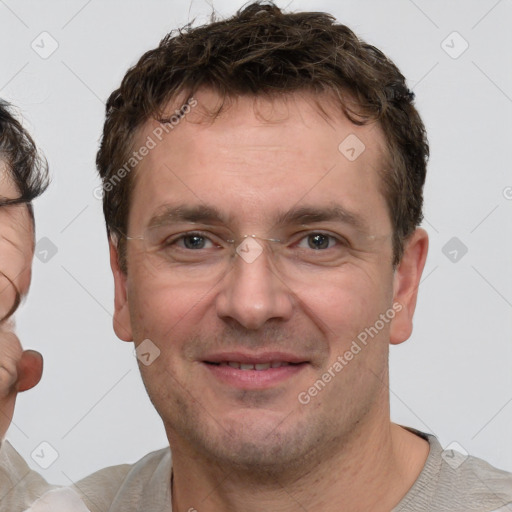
x=453, y=482
x=449, y=481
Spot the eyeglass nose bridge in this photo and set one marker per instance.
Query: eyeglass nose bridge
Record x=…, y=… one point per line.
x=243, y=237
x=249, y=249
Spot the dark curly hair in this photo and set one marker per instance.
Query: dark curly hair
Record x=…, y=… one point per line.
x=264, y=51
x=25, y=165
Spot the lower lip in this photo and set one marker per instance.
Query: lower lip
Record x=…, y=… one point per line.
x=254, y=379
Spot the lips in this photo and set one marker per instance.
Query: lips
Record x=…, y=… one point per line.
x=239, y=359
x=255, y=366
x=254, y=371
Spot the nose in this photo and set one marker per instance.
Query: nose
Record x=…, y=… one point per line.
x=254, y=292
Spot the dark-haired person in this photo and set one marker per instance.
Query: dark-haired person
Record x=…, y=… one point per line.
x=263, y=182
x=23, y=177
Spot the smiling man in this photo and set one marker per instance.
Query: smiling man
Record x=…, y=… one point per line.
x=263, y=184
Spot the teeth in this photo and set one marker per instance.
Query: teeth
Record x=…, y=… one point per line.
x=256, y=366
x=262, y=366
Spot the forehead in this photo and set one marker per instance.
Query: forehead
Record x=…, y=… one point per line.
x=8, y=188
x=259, y=157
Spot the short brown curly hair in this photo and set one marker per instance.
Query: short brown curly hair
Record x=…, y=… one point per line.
x=264, y=51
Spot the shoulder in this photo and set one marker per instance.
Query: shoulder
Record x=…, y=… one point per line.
x=125, y=487
x=473, y=479
x=453, y=480
x=126, y=482
x=19, y=485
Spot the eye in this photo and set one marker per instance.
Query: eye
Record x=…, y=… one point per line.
x=318, y=241
x=190, y=241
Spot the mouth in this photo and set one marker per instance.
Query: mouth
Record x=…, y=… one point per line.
x=252, y=366
x=254, y=371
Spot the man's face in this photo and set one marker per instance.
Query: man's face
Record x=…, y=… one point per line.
x=16, y=245
x=297, y=307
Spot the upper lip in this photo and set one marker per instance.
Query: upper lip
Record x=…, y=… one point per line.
x=259, y=358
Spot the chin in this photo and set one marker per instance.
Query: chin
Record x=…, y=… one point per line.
x=261, y=448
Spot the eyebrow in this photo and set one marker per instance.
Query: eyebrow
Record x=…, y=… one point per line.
x=295, y=216
x=312, y=215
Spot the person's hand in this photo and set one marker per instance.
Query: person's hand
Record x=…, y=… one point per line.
x=19, y=370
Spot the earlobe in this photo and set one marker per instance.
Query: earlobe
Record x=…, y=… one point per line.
x=406, y=282
x=121, y=318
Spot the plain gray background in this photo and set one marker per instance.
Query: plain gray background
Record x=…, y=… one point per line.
x=452, y=378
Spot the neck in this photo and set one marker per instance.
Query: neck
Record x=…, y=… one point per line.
x=372, y=470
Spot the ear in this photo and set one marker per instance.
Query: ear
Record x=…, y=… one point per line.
x=121, y=319
x=405, y=285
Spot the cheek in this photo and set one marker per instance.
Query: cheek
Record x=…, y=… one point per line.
x=342, y=305
x=160, y=309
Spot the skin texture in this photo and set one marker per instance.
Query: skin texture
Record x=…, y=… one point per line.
x=19, y=370
x=17, y=245
x=250, y=449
